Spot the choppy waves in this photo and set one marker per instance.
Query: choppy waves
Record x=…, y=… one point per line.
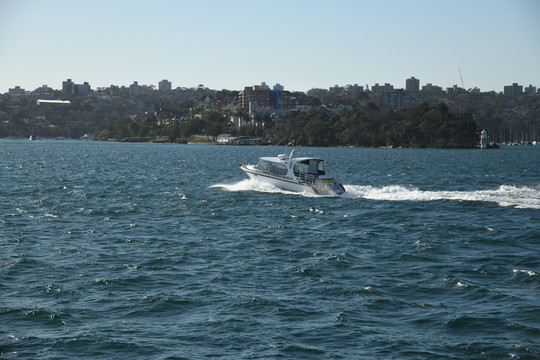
x=105, y=254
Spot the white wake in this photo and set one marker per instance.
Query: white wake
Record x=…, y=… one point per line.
x=506, y=195
x=253, y=185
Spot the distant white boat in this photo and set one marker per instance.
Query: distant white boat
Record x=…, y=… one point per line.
x=294, y=174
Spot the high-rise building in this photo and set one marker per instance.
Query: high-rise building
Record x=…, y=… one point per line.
x=165, y=85
x=336, y=90
x=70, y=88
x=431, y=87
x=135, y=89
x=379, y=89
x=454, y=90
x=67, y=87
x=260, y=97
x=530, y=89
x=412, y=85
x=81, y=89
x=513, y=90
x=396, y=99
x=354, y=89
x=17, y=91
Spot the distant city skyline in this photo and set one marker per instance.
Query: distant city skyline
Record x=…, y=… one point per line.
x=412, y=85
x=300, y=44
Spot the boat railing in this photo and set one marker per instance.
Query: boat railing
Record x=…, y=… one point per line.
x=306, y=177
x=309, y=178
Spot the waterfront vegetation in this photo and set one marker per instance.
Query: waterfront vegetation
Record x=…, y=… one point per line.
x=319, y=119
x=420, y=126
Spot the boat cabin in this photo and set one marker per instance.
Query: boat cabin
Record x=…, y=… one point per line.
x=309, y=166
x=300, y=166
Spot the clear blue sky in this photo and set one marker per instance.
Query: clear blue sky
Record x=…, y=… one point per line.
x=300, y=44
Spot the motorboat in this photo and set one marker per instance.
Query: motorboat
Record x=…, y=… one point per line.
x=294, y=174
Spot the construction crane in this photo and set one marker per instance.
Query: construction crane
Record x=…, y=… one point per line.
x=461, y=77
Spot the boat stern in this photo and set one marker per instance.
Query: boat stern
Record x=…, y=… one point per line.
x=328, y=186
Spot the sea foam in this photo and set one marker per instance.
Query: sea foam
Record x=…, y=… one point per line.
x=253, y=185
x=249, y=185
x=505, y=195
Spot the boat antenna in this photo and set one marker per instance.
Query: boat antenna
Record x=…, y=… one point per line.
x=291, y=155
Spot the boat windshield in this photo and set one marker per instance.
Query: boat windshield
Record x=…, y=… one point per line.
x=261, y=165
x=278, y=169
x=274, y=168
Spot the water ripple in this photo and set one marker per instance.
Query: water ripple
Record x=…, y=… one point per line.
x=140, y=251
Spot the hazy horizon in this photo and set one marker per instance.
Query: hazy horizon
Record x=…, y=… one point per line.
x=299, y=44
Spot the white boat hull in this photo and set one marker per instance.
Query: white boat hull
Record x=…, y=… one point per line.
x=320, y=187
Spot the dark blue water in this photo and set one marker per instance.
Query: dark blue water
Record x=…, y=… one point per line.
x=159, y=251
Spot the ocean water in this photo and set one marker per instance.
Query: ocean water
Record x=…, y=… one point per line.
x=162, y=251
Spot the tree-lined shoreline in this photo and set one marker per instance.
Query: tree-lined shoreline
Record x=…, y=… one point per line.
x=316, y=118
x=419, y=126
